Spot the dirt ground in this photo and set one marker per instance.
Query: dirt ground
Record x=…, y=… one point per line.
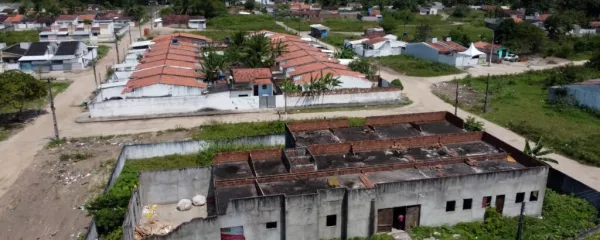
x=467, y=98
x=46, y=200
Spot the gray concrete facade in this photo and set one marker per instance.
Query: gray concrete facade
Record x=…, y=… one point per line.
x=304, y=217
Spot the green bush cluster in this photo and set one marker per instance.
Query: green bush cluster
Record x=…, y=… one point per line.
x=222, y=131
x=473, y=125
x=397, y=83
x=564, y=217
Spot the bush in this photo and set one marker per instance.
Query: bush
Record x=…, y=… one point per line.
x=397, y=83
x=472, y=125
x=364, y=66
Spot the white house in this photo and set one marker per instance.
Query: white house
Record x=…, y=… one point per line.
x=197, y=23
x=377, y=47
x=447, y=52
x=49, y=56
x=428, y=11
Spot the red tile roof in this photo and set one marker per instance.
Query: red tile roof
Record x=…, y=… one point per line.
x=374, y=35
x=486, y=47
x=375, y=40
x=86, y=17
x=170, y=56
x=163, y=79
x=298, y=54
x=166, y=70
x=263, y=81
x=542, y=17
x=595, y=24
x=66, y=17
x=374, y=12
x=517, y=20
x=307, y=77
x=173, y=63
x=446, y=47
x=246, y=75
x=306, y=60
x=182, y=35
x=174, y=51
x=15, y=19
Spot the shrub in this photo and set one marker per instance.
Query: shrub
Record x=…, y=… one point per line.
x=472, y=125
x=397, y=83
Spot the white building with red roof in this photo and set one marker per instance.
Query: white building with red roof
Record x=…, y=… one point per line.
x=447, y=52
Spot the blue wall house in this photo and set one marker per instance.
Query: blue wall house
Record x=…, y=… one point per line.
x=585, y=94
x=318, y=31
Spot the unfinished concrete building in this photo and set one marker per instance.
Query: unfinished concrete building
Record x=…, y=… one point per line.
x=334, y=180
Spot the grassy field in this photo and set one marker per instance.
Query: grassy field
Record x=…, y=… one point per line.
x=337, y=39
x=563, y=218
x=474, y=15
x=12, y=37
x=244, y=23
x=474, y=32
x=334, y=25
x=214, y=35
x=518, y=102
x=413, y=66
x=580, y=56
x=220, y=131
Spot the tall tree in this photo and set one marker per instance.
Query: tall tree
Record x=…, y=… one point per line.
x=213, y=64
x=18, y=88
x=423, y=32
x=558, y=26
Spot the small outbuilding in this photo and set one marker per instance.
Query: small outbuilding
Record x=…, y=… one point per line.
x=319, y=31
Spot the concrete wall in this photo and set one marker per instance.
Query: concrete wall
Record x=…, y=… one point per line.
x=301, y=213
x=132, y=216
x=586, y=95
x=164, y=187
x=356, y=98
x=160, y=90
x=356, y=209
x=432, y=195
x=422, y=50
x=222, y=101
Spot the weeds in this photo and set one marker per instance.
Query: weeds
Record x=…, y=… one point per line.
x=56, y=143
x=413, y=66
x=76, y=156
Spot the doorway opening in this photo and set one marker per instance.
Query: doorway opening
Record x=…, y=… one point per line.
x=402, y=218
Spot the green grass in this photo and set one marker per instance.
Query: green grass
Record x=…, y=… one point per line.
x=581, y=56
x=102, y=51
x=413, y=66
x=221, y=131
x=475, y=33
x=12, y=37
x=563, y=218
x=474, y=15
x=57, y=87
x=334, y=25
x=337, y=39
x=244, y=23
x=3, y=134
x=520, y=105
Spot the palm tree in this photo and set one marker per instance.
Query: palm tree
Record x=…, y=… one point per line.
x=345, y=52
x=213, y=65
x=537, y=152
x=323, y=83
x=256, y=51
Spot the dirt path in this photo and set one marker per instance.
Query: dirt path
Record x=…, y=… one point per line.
x=18, y=151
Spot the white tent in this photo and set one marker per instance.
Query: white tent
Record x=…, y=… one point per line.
x=471, y=56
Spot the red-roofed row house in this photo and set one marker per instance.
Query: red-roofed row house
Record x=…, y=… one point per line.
x=303, y=62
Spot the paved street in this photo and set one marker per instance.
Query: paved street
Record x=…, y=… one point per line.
x=19, y=150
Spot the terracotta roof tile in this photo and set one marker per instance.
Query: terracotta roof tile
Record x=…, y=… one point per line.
x=170, y=51
x=263, y=81
x=595, y=24
x=170, y=56
x=517, y=20
x=446, y=46
x=300, y=53
x=166, y=70
x=86, y=17
x=244, y=75
x=542, y=17
x=375, y=40
x=66, y=17
x=173, y=63
x=163, y=79
x=306, y=78
x=15, y=19
x=486, y=47
x=183, y=35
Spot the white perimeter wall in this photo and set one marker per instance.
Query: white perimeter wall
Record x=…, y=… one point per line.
x=222, y=101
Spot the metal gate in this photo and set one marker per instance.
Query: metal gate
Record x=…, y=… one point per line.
x=266, y=102
x=413, y=217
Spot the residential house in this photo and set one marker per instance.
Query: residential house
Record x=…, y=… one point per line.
x=184, y=21
x=8, y=11
x=373, y=12
x=37, y=57
x=377, y=47
x=350, y=15
x=162, y=84
x=50, y=56
x=318, y=31
x=376, y=18
x=579, y=31
x=72, y=56
x=2, y=19
x=248, y=82
x=10, y=55
x=498, y=51
x=585, y=94
x=14, y=22
x=66, y=20
x=446, y=52
x=428, y=11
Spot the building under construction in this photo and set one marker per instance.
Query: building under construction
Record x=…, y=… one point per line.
x=336, y=180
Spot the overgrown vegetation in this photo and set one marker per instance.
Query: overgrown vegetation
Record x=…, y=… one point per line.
x=244, y=23
x=413, y=66
x=334, y=25
x=519, y=102
x=109, y=209
x=337, y=39
x=221, y=131
x=473, y=125
x=102, y=51
x=397, y=83
x=564, y=217
x=12, y=37
x=364, y=66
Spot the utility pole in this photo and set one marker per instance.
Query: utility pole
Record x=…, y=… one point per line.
x=130, y=39
x=151, y=18
x=56, y=137
x=492, y=49
x=117, y=47
x=520, y=227
x=487, y=86
x=456, y=99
